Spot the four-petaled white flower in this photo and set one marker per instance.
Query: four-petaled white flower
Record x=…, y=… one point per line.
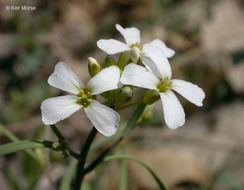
x=103, y=118
x=160, y=80
x=156, y=50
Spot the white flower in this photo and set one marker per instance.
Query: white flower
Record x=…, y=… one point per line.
x=160, y=80
x=103, y=118
x=132, y=39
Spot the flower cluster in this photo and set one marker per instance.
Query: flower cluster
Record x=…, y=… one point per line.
x=146, y=66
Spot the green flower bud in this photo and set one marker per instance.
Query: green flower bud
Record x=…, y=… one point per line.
x=109, y=61
x=125, y=94
x=123, y=60
x=93, y=66
x=134, y=54
x=151, y=96
x=56, y=145
x=41, y=156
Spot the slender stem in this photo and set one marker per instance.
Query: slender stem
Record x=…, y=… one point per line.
x=100, y=158
x=133, y=121
x=130, y=125
x=64, y=145
x=57, y=133
x=80, y=172
x=73, y=153
x=130, y=104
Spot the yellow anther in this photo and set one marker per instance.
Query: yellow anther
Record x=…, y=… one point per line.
x=164, y=85
x=84, y=97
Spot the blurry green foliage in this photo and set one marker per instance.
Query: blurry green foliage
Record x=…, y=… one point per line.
x=31, y=174
x=22, y=101
x=31, y=170
x=12, y=179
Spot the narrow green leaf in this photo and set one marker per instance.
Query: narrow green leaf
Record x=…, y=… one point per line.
x=67, y=178
x=7, y=133
x=18, y=146
x=123, y=175
x=154, y=175
x=14, y=138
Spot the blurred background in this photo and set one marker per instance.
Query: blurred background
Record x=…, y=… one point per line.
x=208, y=37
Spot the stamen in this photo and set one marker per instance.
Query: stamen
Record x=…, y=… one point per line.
x=164, y=85
x=84, y=97
x=139, y=46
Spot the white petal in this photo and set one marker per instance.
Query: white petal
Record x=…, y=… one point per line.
x=189, y=91
x=58, y=108
x=158, y=62
x=161, y=45
x=148, y=62
x=131, y=35
x=103, y=118
x=139, y=76
x=112, y=46
x=65, y=79
x=174, y=114
x=107, y=79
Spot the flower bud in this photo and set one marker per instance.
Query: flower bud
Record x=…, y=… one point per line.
x=93, y=66
x=56, y=145
x=134, y=54
x=125, y=94
x=151, y=96
x=41, y=156
x=123, y=60
x=109, y=61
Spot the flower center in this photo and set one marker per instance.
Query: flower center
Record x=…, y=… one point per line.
x=84, y=97
x=164, y=85
x=139, y=46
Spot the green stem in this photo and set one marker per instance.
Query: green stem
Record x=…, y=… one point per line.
x=130, y=104
x=132, y=123
x=80, y=172
x=63, y=144
x=129, y=127
x=57, y=133
x=100, y=158
x=73, y=153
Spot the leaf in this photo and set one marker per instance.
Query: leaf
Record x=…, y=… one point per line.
x=67, y=178
x=154, y=175
x=18, y=146
x=123, y=175
x=12, y=137
x=7, y=133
